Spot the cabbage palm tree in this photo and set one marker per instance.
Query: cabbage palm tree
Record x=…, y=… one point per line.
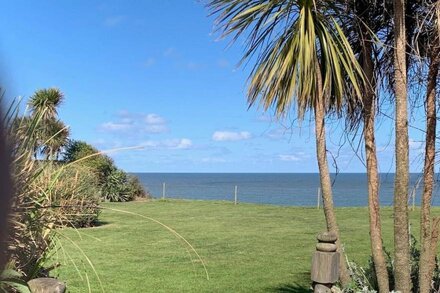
x=54, y=137
x=47, y=100
x=51, y=134
x=302, y=60
x=401, y=231
x=364, y=21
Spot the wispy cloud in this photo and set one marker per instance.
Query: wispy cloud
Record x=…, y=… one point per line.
x=175, y=144
x=141, y=123
x=289, y=158
x=113, y=126
x=296, y=155
x=114, y=20
x=223, y=63
x=213, y=160
x=231, y=135
x=171, y=53
x=149, y=62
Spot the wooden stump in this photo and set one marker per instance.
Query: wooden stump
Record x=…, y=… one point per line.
x=325, y=263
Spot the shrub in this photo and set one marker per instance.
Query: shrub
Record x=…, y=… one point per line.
x=115, y=184
x=89, y=156
x=116, y=187
x=364, y=280
x=74, y=194
x=136, y=187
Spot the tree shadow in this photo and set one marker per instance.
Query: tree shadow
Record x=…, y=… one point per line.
x=295, y=288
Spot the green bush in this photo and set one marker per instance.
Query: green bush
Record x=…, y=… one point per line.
x=84, y=154
x=116, y=187
x=115, y=184
x=136, y=187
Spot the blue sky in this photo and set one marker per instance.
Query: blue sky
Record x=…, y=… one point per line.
x=153, y=75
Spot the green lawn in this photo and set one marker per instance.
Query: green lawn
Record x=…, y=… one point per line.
x=246, y=248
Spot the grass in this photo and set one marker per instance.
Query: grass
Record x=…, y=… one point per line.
x=246, y=248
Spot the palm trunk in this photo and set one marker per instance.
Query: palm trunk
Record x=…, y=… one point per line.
x=324, y=176
x=401, y=231
x=380, y=265
x=428, y=248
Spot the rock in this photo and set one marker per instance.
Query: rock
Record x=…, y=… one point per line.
x=46, y=285
x=321, y=288
x=326, y=247
x=327, y=237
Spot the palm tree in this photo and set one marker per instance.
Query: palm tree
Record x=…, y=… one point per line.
x=363, y=22
x=303, y=60
x=48, y=100
x=55, y=136
x=427, y=48
x=51, y=134
x=401, y=231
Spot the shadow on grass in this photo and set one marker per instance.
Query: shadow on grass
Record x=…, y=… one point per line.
x=295, y=287
x=100, y=223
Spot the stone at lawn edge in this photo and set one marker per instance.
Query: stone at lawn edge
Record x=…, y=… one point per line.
x=46, y=285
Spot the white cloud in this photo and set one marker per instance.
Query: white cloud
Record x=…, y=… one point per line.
x=140, y=123
x=231, y=135
x=158, y=128
x=111, y=126
x=154, y=119
x=289, y=158
x=170, y=144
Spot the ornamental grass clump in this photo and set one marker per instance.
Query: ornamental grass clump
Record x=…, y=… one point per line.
x=47, y=195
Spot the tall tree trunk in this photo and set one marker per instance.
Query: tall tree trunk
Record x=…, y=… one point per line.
x=324, y=176
x=401, y=233
x=369, y=101
x=428, y=249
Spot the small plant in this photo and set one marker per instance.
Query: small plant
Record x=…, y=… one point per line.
x=12, y=281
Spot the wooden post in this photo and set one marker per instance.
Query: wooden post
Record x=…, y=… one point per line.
x=163, y=190
x=325, y=263
x=414, y=199
x=235, y=194
x=319, y=197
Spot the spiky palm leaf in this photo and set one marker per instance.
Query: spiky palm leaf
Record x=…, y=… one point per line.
x=294, y=42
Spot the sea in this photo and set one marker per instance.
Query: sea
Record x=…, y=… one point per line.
x=286, y=189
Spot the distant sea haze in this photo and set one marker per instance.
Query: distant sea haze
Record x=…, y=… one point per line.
x=291, y=189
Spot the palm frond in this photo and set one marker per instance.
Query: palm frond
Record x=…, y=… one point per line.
x=291, y=43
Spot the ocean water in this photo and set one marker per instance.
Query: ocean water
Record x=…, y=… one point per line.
x=298, y=189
